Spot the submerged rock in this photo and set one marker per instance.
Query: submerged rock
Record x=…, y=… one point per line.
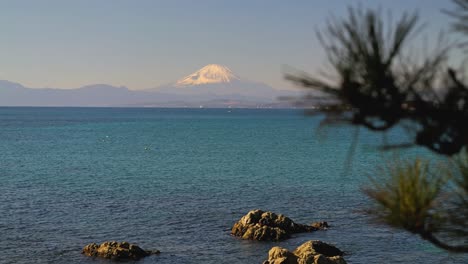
x=260, y=225
x=116, y=250
x=311, y=252
x=320, y=225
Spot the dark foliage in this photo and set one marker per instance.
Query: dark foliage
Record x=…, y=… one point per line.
x=460, y=15
x=376, y=86
x=377, y=83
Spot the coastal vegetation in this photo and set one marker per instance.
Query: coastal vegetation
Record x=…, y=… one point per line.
x=379, y=82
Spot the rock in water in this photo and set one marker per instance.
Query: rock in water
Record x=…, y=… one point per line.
x=315, y=247
x=320, y=225
x=116, y=250
x=260, y=225
x=311, y=252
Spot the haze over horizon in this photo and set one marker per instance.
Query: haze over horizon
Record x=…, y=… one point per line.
x=145, y=44
x=212, y=86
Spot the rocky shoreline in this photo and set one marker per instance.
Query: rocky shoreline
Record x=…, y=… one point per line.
x=255, y=225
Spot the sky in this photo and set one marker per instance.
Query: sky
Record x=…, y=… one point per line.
x=142, y=44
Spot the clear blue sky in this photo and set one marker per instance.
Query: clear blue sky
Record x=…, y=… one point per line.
x=146, y=43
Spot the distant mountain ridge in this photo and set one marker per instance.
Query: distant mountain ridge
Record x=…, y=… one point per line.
x=211, y=86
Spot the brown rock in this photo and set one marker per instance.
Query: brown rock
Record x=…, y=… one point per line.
x=279, y=255
x=116, y=250
x=321, y=259
x=260, y=225
x=315, y=247
x=311, y=252
x=320, y=225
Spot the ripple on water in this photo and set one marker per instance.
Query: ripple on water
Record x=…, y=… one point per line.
x=176, y=180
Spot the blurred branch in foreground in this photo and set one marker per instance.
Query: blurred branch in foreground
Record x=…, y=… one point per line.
x=382, y=85
x=379, y=83
x=413, y=197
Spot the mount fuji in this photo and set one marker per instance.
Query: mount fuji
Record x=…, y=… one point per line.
x=212, y=86
x=212, y=73
x=216, y=81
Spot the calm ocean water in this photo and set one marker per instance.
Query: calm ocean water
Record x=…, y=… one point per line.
x=177, y=179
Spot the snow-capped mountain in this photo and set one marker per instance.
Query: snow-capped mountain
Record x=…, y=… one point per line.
x=212, y=73
x=216, y=82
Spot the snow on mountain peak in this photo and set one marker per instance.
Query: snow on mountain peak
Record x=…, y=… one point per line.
x=212, y=73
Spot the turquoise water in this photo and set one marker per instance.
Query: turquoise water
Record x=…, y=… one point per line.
x=177, y=179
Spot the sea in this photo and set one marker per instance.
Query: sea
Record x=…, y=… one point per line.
x=176, y=180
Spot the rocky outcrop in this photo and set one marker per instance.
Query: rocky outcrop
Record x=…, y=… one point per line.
x=311, y=252
x=260, y=225
x=116, y=250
